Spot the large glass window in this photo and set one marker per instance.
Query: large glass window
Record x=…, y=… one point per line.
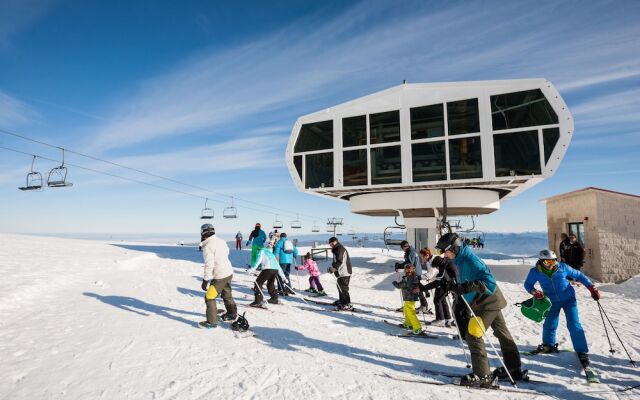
x=462, y=117
x=297, y=161
x=385, y=127
x=385, y=165
x=465, y=158
x=427, y=121
x=428, y=161
x=319, y=170
x=354, y=167
x=354, y=131
x=521, y=109
x=550, y=138
x=517, y=153
x=315, y=136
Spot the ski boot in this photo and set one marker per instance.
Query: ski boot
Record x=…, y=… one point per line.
x=273, y=301
x=344, y=307
x=207, y=325
x=257, y=304
x=228, y=317
x=473, y=380
x=336, y=303
x=584, y=359
x=418, y=332
x=450, y=323
x=321, y=293
x=546, y=349
x=437, y=322
x=289, y=291
x=517, y=375
x=311, y=290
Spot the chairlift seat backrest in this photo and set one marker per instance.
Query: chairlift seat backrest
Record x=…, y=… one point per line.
x=34, y=182
x=230, y=212
x=315, y=228
x=207, y=213
x=58, y=177
x=296, y=225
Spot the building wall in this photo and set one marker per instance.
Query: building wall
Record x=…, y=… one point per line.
x=576, y=208
x=619, y=235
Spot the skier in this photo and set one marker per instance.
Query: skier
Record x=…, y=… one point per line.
x=270, y=270
x=286, y=253
x=314, y=275
x=552, y=277
x=341, y=268
x=564, y=243
x=478, y=292
x=256, y=239
x=238, y=241
x=441, y=283
x=411, y=258
x=410, y=285
x=218, y=275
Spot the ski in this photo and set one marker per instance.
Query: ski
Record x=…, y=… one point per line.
x=458, y=376
x=414, y=335
x=591, y=375
x=248, y=333
x=396, y=324
x=439, y=383
x=323, y=303
x=535, y=352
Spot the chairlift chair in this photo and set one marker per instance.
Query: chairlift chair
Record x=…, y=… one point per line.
x=207, y=213
x=277, y=224
x=34, y=179
x=58, y=175
x=315, y=228
x=230, y=212
x=296, y=224
x=388, y=232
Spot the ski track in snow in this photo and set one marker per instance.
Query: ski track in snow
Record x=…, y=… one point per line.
x=89, y=319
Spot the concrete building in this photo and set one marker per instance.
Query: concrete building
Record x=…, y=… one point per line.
x=607, y=223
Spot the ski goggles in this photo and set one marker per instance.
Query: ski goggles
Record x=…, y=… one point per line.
x=549, y=263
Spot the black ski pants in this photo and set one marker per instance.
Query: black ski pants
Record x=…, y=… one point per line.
x=269, y=276
x=343, y=289
x=441, y=305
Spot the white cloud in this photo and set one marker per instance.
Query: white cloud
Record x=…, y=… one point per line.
x=611, y=109
x=15, y=112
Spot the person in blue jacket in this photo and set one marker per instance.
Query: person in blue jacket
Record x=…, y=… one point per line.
x=553, y=279
x=286, y=253
x=257, y=237
x=478, y=287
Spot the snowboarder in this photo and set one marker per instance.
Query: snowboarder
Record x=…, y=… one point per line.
x=218, y=275
x=552, y=276
x=410, y=285
x=257, y=237
x=286, y=253
x=478, y=292
x=270, y=270
x=442, y=284
x=238, y=241
x=314, y=275
x=341, y=268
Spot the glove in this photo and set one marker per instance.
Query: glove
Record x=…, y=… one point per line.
x=297, y=268
x=538, y=294
x=204, y=284
x=398, y=266
x=331, y=270
x=246, y=244
x=595, y=293
x=458, y=289
x=416, y=290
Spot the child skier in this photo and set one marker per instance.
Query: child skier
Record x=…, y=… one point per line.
x=552, y=277
x=314, y=275
x=270, y=270
x=410, y=285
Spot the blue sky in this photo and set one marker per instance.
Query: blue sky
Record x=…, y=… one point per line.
x=207, y=92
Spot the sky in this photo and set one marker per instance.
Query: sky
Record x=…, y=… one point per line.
x=206, y=93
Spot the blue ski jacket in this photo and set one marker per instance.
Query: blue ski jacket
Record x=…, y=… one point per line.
x=557, y=288
x=471, y=268
x=259, y=239
x=278, y=251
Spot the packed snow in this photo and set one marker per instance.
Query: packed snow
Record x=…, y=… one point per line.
x=91, y=319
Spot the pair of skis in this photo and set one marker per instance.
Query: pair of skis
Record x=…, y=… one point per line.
x=324, y=303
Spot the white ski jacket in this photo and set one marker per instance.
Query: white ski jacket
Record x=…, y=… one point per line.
x=216, y=258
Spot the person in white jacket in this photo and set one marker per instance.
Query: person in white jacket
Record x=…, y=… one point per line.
x=218, y=275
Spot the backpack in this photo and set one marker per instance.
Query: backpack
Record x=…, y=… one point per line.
x=288, y=247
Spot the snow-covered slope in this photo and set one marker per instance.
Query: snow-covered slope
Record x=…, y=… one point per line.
x=88, y=319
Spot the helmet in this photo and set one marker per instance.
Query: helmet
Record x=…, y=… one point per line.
x=283, y=235
x=258, y=225
x=207, y=228
x=241, y=324
x=449, y=241
x=547, y=254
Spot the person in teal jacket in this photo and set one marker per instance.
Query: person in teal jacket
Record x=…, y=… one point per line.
x=553, y=279
x=270, y=271
x=478, y=287
x=286, y=254
x=256, y=239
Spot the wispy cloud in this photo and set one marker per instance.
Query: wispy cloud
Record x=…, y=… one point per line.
x=18, y=15
x=15, y=112
x=612, y=109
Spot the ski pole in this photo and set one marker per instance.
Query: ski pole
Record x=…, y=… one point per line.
x=484, y=333
x=606, y=331
x=297, y=277
x=464, y=350
x=260, y=289
x=618, y=336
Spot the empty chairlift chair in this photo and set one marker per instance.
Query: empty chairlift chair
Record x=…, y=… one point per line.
x=277, y=224
x=58, y=175
x=230, y=212
x=207, y=213
x=315, y=228
x=296, y=224
x=34, y=179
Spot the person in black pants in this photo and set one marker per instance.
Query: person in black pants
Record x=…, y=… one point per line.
x=341, y=268
x=441, y=283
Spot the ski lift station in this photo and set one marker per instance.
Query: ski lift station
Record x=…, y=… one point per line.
x=427, y=151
